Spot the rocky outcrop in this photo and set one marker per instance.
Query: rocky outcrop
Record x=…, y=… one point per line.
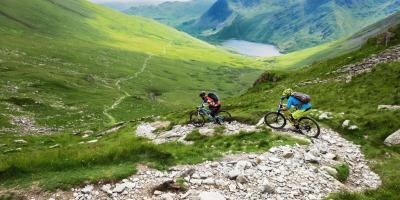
x=393, y=139
x=347, y=72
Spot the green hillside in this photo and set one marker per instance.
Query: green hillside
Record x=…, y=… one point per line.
x=77, y=66
x=357, y=100
x=291, y=25
x=172, y=13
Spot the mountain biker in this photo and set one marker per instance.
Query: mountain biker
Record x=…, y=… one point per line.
x=302, y=108
x=213, y=102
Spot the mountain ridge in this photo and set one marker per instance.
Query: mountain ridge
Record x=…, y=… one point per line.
x=291, y=26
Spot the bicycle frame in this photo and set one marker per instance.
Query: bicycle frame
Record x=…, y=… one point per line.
x=204, y=111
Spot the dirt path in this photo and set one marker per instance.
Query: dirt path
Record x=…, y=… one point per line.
x=125, y=94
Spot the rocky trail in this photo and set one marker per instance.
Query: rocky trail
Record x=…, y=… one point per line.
x=347, y=72
x=284, y=172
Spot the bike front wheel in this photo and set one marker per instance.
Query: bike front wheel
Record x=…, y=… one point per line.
x=197, y=119
x=309, y=127
x=275, y=120
x=224, y=117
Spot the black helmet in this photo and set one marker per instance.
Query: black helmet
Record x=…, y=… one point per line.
x=202, y=94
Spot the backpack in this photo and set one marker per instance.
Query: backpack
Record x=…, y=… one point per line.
x=304, y=98
x=213, y=96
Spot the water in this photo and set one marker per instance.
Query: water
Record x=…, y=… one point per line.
x=251, y=48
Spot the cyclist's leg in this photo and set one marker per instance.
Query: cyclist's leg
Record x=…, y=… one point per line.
x=214, y=110
x=299, y=114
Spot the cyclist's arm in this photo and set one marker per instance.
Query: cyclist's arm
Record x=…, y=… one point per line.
x=289, y=103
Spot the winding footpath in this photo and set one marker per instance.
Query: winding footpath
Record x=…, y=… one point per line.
x=298, y=172
x=125, y=94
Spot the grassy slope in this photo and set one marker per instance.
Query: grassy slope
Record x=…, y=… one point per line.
x=358, y=100
x=69, y=57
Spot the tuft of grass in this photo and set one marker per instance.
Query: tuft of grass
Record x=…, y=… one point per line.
x=194, y=136
x=343, y=172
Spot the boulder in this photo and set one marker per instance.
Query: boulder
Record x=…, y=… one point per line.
x=211, y=196
x=287, y=154
x=324, y=116
x=266, y=188
x=389, y=107
x=241, y=179
x=87, y=189
x=92, y=141
x=309, y=157
x=393, y=139
x=346, y=123
x=233, y=174
x=353, y=127
x=330, y=170
x=20, y=141
x=160, y=124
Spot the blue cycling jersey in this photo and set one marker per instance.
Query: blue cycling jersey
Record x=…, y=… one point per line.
x=292, y=101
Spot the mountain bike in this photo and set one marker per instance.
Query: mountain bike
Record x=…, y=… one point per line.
x=305, y=125
x=202, y=115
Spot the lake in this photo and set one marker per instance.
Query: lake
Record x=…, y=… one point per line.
x=251, y=48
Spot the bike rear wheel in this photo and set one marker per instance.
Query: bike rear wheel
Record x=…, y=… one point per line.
x=224, y=117
x=197, y=119
x=309, y=127
x=275, y=120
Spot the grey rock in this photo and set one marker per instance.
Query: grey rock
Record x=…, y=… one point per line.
x=87, y=189
x=241, y=179
x=92, y=141
x=20, y=141
x=266, y=188
x=275, y=159
x=308, y=157
x=353, y=127
x=233, y=174
x=55, y=146
x=330, y=170
x=389, y=107
x=393, y=139
x=346, y=123
x=287, y=154
x=211, y=196
x=209, y=181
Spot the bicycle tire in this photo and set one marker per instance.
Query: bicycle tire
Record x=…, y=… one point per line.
x=197, y=119
x=227, y=117
x=278, y=116
x=303, y=127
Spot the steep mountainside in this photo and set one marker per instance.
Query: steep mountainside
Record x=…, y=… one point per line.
x=346, y=88
x=97, y=66
x=173, y=13
x=291, y=25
